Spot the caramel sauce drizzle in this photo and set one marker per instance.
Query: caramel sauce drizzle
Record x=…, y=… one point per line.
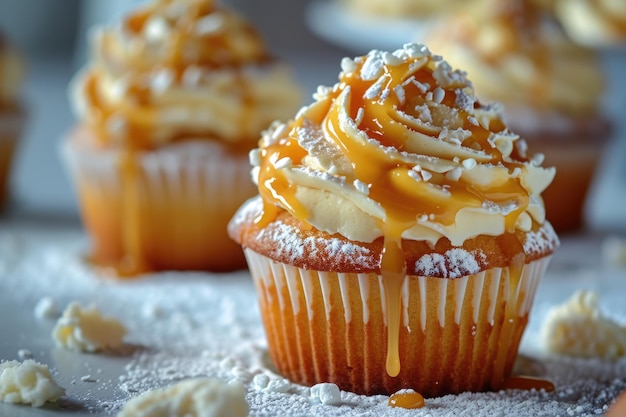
x=403, y=198
x=184, y=47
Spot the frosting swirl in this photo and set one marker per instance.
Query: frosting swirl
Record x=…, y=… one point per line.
x=593, y=22
x=515, y=56
x=401, y=148
x=182, y=68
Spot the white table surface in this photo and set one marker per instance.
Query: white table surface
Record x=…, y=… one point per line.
x=205, y=320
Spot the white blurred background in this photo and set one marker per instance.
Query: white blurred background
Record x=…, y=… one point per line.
x=52, y=37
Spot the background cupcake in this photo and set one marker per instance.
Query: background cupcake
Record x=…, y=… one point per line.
x=174, y=97
x=12, y=113
x=551, y=88
x=399, y=234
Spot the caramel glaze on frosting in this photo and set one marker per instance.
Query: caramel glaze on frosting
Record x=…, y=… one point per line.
x=176, y=69
x=515, y=55
x=400, y=150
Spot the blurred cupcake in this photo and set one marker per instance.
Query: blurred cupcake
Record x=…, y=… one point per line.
x=12, y=113
x=551, y=89
x=171, y=102
x=597, y=23
x=399, y=233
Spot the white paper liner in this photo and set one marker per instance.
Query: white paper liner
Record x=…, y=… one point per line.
x=186, y=170
x=481, y=319
x=189, y=187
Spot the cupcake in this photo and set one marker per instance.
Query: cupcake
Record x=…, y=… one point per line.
x=12, y=113
x=171, y=102
x=551, y=88
x=399, y=233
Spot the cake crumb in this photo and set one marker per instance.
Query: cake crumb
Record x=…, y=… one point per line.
x=86, y=330
x=199, y=397
x=28, y=382
x=577, y=328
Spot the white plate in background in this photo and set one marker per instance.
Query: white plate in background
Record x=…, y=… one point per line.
x=360, y=33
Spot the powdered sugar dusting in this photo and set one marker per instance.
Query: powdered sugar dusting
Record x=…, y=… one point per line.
x=455, y=263
x=542, y=241
x=208, y=325
x=293, y=246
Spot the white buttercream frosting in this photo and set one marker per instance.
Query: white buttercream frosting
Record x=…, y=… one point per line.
x=181, y=68
x=402, y=140
x=516, y=57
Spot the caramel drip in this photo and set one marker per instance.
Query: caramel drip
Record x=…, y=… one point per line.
x=274, y=186
x=528, y=383
x=134, y=260
x=393, y=270
x=514, y=251
x=409, y=399
x=236, y=45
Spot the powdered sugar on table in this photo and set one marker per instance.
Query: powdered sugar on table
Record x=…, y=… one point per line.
x=184, y=325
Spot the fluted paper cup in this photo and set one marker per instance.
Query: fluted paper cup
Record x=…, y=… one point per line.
x=165, y=209
x=455, y=335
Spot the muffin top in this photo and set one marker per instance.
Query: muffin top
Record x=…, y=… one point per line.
x=400, y=148
x=181, y=69
x=11, y=74
x=515, y=55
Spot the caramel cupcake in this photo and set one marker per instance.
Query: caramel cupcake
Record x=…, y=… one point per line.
x=12, y=113
x=551, y=89
x=169, y=106
x=399, y=233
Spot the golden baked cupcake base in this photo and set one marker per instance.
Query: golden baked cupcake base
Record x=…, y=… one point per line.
x=329, y=327
x=163, y=209
x=323, y=300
